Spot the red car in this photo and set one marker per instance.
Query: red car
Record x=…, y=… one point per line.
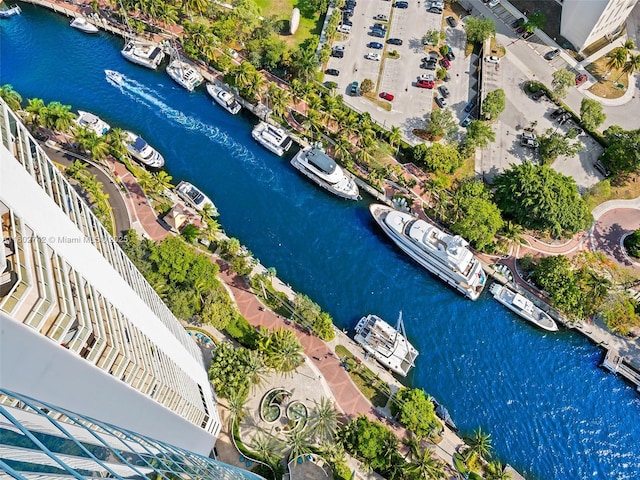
x=580, y=79
x=445, y=63
x=425, y=84
x=386, y=96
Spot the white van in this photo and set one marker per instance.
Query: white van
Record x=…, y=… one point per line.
x=344, y=29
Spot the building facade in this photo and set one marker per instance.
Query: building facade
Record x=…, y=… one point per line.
x=79, y=325
x=585, y=21
x=42, y=441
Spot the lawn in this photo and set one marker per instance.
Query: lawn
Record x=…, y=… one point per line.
x=310, y=21
x=363, y=378
x=607, y=87
x=627, y=189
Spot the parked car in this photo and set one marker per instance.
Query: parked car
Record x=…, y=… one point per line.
x=537, y=95
x=442, y=103
x=580, y=79
x=557, y=112
x=353, y=88
x=493, y=3
x=425, y=84
x=381, y=17
x=469, y=106
x=437, y=4
x=450, y=55
x=433, y=55
x=602, y=168
x=528, y=136
x=344, y=29
x=427, y=76
x=444, y=91
x=377, y=33
x=445, y=63
x=376, y=45
x=451, y=21
x=518, y=22
x=552, y=54
x=466, y=121
x=401, y=4
x=379, y=26
x=394, y=41
x=562, y=119
x=348, y=23
x=332, y=71
x=436, y=10
x=373, y=56
x=337, y=53
x=527, y=142
x=526, y=35
x=430, y=65
x=386, y=96
x=491, y=59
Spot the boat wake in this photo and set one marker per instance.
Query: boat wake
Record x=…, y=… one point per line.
x=145, y=95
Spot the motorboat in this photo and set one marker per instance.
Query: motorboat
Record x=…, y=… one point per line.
x=92, y=122
x=184, y=74
x=11, y=11
x=143, y=53
x=142, y=151
x=115, y=77
x=223, y=98
x=194, y=197
x=388, y=345
x=323, y=170
x=272, y=138
x=445, y=256
x=83, y=25
x=522, y=306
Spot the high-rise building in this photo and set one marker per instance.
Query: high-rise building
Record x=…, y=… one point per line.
x=80, y=327
x=39, y=441
x=583, y=22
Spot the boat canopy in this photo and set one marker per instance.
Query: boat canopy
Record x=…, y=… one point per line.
x=139, y=144
x=321, y=160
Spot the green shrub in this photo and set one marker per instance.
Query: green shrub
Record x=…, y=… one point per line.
x=632, y=244
x=242, y=331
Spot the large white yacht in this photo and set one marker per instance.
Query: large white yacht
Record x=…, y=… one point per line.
x=322, y=169
x=142, y=151
x=388, y=345
x=444, y=255
x=92, y=122
x=223, y=98
x=184, y=74
x=194, y=197
x=143, y=53
x=272, y=138
x=522, y=306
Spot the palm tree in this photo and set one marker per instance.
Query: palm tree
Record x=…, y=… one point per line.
x=496, y=471
x=412, y=442
x=297, y=90
x=207, y=211
x=88, y=141
x=163, y=181
x=168, y=13
x=283, y=351
x=314, y=122
x=314, y=102
x=236, y=403
x=632, y=65
x=279, y=101
x=479, y=444
x=198, y=6
x=34, y=110
x=305, y=63
x=11, y=97
x=324, y=419
x=426, y=467
x=56, y=116
x=117, y=140
x=342, y=148
x=267, y=447
x=255, y=368
x=512, y=235
x=298, y=442
x=617, y=58
x=395, y=136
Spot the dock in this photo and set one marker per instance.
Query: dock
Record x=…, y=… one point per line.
x=617, y=364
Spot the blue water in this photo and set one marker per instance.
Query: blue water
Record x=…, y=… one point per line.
x=552, y=413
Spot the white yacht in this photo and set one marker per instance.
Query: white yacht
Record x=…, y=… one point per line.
x=143, y=53
x=322, y=169
x=223, y=98
x=92, y=122
x=194, y=197
x=272, y=138
x=184, y=74
x=522, y=306
x=11, y=11
x=83, y=25
x=446, y=256
x=115, y=77
x=142, y=151
x=388, y=345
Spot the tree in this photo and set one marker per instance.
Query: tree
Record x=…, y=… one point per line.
x=477, y=218
x=632, y=65
x=89, y=141
x=431, y=37
x=439, y=157
x=305, y=62
x=556, y=276
x=562, y=79
x=369, y=441
x=415, y=411
x=494, y=104
x=34, y=109
x=539, y=198
x=324, y=420
x=367, y=85
x=479, y=444
x=298, y=442
x=116, y=139
x=226, y=371
x=619, y=313
x=617, y=58
x=480, y=133
x=496, y=471
x=554, y=144
x=282, y=351
x=426, y=467
x=11, y=97
x=57, y=116
x=479, y=29
x=395, y=136
x=190, y=233
x=535, y=20
x=623, y=152
x=442, y=123
x=591, y=113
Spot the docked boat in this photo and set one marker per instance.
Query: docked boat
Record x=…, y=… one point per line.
x=194, y=197
x=443, y=414
x=272, y=138
x=322, y=169
x=388, y=345
x=142, y=151
x=83, y=25
x=143, y=53
x=11, y=11
x=184, y=74
x=523, y=307
x=92, y=122
x=223, y=98
x=115, y=77
x=445, y=256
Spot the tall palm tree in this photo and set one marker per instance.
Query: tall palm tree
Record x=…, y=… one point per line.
x=163, y=181
x=283, y=352
x=11, y=97
x=412, y=442
x=632, y=65
x=236, y=403
x=314, y=102
x=297, y=90
x=168, y=13
x=279, y=101
x=479, y=444
x=89, y=141
x=255, y=368
x=34, y=109
x=313, y=122
x=117, y=139
x=342, y=148
x=305, y=63
x=267, y=447
x=395, y=136
x=324, y=419
x=512, y=235
x=56, y=116
x=617, y=58
x=198, y=6
x=426, y=467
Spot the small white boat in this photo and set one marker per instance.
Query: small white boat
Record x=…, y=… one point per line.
x=388, y=345
x=83, y=25
x=11, y=11
x=315, y=164
x=272, y=138
x=92, y=122
x=115, y=77
x=142, y=151
x=143, y=53
x=522, y=306
x=184, y=74
x=194, y=197
x=223, y=98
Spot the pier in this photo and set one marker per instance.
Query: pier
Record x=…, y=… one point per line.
x=617, y=364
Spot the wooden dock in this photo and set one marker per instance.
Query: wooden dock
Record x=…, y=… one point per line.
x=616, y=363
